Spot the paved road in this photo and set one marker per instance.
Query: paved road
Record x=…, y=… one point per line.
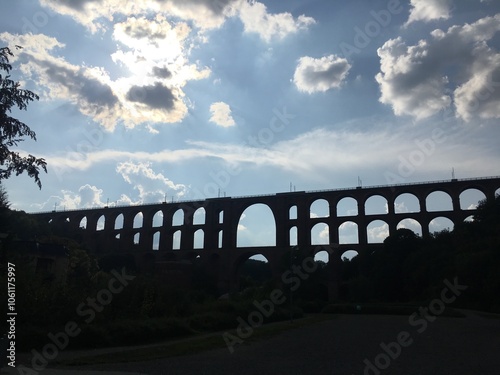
x=345, y=345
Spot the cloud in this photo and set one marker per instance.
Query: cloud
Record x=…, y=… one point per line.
x=203, y=14
x=155, y=96
x=151, y=186
x=429, y=10
x=221, y=115
x=342, y=152
x=88, y=196
x=138, y=98
x=320, y=75
x=95, y=14
x=378, y=234
x=154, y=51
x=268, y=26
x=456, y=66
x=480, y=95
x=161, y=72
x=87, y=88
x=324, y=235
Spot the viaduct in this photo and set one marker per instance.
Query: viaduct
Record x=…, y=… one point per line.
x=207, y=230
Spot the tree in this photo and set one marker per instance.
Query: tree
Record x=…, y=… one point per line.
x=4, y=198
x=12, y=131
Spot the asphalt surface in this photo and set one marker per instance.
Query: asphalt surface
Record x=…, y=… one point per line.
x=345, y=344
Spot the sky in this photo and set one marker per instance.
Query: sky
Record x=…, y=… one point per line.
x=190, y=99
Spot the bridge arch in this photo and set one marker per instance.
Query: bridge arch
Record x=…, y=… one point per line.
x=376, y=205
x=138, y=220
x=439, y=200
x=293, y=236
x=176, y=240
x=349, y=255
x=347, y=206
x=377, y=231
x=319, y=208
x=440, y=223
x=412, y=224
x=83, y=223
x=348, y=233
x=262, y=269
x=119, y=220
x=469, y=198
x=199, y=216
x=178, y=218
x=156, y=240
x=157, y=220
x=256, y=226
x=220, y=239
x=322, y=255
x=406, y=203
x=320, y=234
x=199, y=239
x=101, y=223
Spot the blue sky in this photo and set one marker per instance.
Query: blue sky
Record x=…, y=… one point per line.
x=146, y=99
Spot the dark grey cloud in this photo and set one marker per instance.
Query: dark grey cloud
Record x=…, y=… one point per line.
x=138, y=31
x=161, y=72
x=84, y=88
x=215, y=6
x=156, y=96
x=74, y=4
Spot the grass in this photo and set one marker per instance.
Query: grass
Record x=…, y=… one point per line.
x=191, y=345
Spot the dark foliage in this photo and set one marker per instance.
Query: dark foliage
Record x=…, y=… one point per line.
x=12, y=131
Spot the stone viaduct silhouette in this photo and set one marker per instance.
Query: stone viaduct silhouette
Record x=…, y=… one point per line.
x=158, y=238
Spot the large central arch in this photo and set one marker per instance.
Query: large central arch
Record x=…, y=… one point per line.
x=256, y=227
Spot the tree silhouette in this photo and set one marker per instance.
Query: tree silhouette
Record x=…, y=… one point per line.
x=4, y=198
x=12, y=131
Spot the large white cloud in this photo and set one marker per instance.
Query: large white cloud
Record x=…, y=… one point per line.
x=268, y=26
x=428, y=10
x=203, y=14
x=87, y=196
x=454, y=66
x=221, y=115
x=319, y=75
x=151, y=186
